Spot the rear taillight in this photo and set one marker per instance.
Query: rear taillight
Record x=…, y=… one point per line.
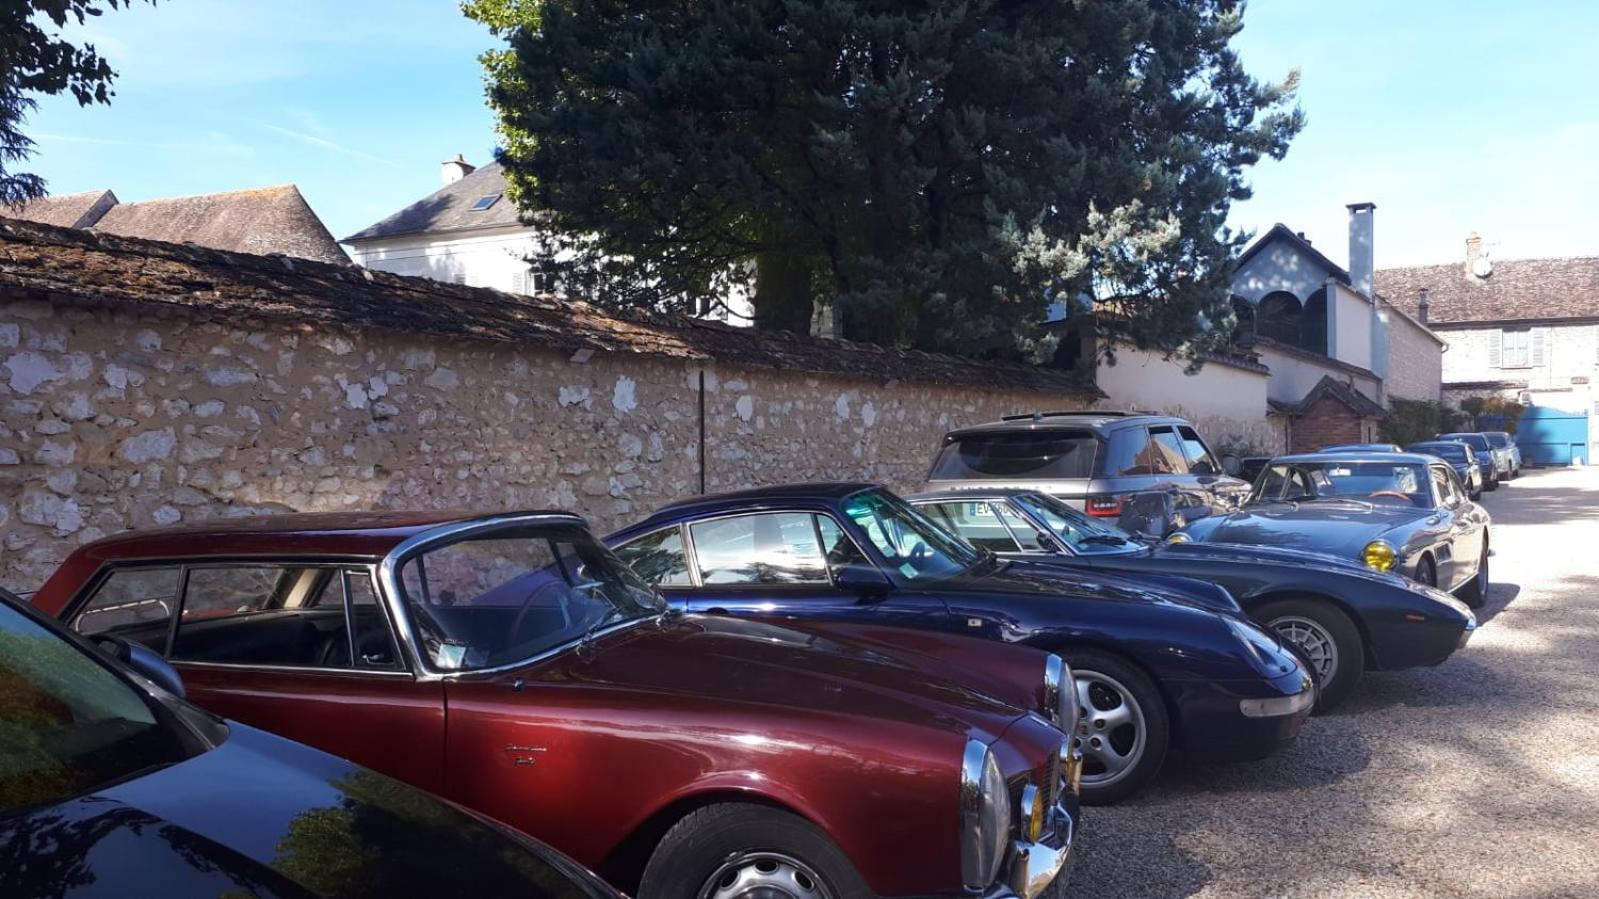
x=1104, y=506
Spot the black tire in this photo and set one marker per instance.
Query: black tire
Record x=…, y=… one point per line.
x=1094, y=666
x=1427, y=572
x=1286, y=616
x=706, y=840
x=1475, y=591
x=1493, y=483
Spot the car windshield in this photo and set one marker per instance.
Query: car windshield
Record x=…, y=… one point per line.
x=909, y=541
x=1393, y=482
x=1502, y=441
x=506, y=595
x=1083, y=534
x=1022, y=455
x=1454, y=452
x=69, y=725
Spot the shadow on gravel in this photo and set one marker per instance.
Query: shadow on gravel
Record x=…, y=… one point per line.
x=1136, y=862
x=1499, y=596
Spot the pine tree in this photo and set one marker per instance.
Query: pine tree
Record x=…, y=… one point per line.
x=936, y=172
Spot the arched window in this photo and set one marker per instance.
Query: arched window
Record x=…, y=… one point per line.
x=1244, y=314
x=1279, y=316
x=1313, y=329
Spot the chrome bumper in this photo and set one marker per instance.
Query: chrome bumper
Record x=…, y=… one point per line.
x=1465, y=635
x=1034, y=866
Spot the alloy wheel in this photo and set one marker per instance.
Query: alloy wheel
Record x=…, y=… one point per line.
x=1313, y=640
x=761, y=874
x=1110, y=731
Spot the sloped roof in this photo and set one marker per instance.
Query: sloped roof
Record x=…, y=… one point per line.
x=67, y=211
x=1350, y=396
x=61, y=265
x=450, y=208
x=260, y=220
x=1518, y=290
x=1281, y=231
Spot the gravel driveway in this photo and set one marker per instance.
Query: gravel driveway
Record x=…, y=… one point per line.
x=1476, y=778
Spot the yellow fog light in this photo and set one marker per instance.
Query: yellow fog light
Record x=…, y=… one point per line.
x=1034, y=813
x=1179, y=538
x=1378, y=555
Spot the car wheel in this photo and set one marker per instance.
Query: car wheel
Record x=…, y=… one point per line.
x=1493, y=483
x=734, y=850
x=1123, y=731
x=1326, y=636
x=1475, y=591
x=1427, y=572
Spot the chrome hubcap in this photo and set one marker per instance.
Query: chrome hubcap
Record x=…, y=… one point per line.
x=1313, y=641
x=764, y=875
x=1110, y=730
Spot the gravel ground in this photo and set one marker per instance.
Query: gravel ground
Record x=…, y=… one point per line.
x=1476, y=778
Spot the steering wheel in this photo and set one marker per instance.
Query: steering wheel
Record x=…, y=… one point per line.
x=1393, y=493
x=566, y=614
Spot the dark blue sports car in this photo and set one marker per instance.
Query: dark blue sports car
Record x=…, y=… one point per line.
x=1154, y=667
x=1345, y=618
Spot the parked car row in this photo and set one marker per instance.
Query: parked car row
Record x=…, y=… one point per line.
x=816, y=690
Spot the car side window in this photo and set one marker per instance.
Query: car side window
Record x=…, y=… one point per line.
x=281, y=616
x=658, y=558
x=840, y=550
x=764, y=548
x=1440, y=485
x=1200, y=460
x=1131, y=453
x=1169, y=456
x=133, y=603
x=1026, y=535
x=976, y=521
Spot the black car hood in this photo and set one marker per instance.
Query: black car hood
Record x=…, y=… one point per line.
x=262, y=816
x=1338, y=527
x=1262, y=555
x=1045, y=578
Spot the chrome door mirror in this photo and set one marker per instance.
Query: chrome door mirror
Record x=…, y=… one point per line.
x=144, y=660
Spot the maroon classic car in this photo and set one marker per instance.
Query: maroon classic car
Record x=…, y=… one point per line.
x=512, y=664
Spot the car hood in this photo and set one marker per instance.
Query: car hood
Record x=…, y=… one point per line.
x=784, y=669
x=1338, y=527
x=1261, y=555
x=1044, y=577
x=259, y=815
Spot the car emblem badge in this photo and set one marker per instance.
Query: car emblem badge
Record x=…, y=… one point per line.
x=523, y=754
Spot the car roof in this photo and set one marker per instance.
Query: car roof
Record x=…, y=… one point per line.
x=973, y=493
x=1413, y=458
x=1086, y=420
x=825, y=491
x=368, y=534
x=1462, y=434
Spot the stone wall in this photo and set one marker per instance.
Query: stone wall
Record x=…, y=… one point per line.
x=114, y=419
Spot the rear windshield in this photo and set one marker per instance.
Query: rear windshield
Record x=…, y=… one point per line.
x=1499, y=440
x=1031, y=455
x=1454, y=452
x=1475, y=441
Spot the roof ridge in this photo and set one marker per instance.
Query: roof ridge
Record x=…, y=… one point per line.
x=285, y=187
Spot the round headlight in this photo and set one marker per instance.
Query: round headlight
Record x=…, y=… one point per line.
x=1378, y=555
x=1060, y=694
x=1179, y=538
x=985, y=816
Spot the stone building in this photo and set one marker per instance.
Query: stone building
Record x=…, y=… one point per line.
x=262, y=220
x=146, y=384
x=1524, y=329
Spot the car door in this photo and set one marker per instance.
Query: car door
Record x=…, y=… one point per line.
x=774, y=563
x=1468, y=527
x=305, y=651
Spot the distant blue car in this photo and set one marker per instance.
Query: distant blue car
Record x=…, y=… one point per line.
x=1154, y=667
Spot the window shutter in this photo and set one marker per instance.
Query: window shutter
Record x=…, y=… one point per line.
x=1537, y=353
x=1495, y=341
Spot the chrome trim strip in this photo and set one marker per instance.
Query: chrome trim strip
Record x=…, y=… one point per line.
x=389, y=581
x=971, y=806
x=292, y=669
x=1054, y=680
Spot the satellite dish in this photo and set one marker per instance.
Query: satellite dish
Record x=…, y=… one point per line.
x=1483, y=267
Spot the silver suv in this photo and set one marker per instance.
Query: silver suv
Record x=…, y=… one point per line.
x=1093, y=460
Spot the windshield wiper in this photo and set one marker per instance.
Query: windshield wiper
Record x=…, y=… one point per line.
x=1106, y=540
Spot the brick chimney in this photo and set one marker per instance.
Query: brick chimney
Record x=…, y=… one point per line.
x=1362, y=263
x=1423, y=305
x=455, y=169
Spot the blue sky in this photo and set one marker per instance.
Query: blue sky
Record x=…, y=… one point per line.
x=1451, y=117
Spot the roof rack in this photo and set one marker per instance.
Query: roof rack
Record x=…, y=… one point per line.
x=1094, y=413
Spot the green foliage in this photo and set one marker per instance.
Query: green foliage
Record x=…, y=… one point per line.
x=936, y=173
x=1492, y=413
x=34, y=61
x=1412, y=421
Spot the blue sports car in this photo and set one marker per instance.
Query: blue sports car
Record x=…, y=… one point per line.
x=1154, y=666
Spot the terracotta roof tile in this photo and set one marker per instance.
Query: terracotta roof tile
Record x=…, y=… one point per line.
x=1518, y=290
x=84, y=267
x=261, y=220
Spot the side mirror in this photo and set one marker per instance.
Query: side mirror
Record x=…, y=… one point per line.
x=863, y=579
x=1232, y=464
x=144, y=660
